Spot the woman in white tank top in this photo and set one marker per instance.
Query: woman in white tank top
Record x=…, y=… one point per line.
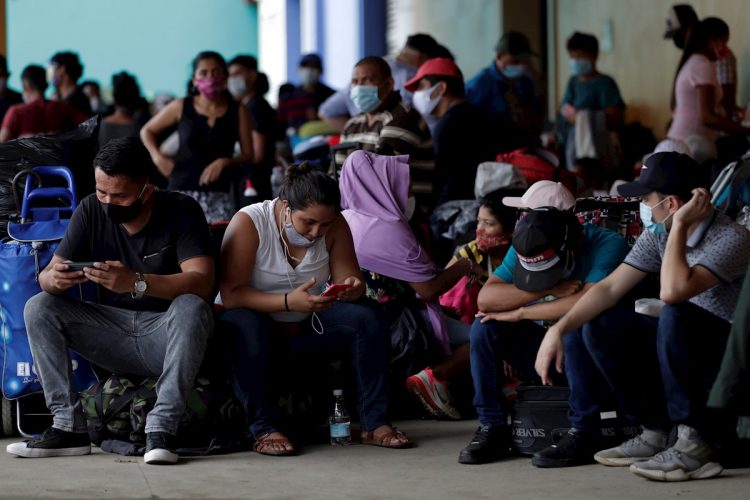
x=276, y=258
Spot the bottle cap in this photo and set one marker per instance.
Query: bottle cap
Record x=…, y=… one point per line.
x=338, y=392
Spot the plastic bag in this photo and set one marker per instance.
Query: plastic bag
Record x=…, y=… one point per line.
x=74, y=148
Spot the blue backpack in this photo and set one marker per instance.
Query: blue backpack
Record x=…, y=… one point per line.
x=31, y=247
x=730, y=192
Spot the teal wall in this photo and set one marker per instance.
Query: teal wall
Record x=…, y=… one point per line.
x=154, y=39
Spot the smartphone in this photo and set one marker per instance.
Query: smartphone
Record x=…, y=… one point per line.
x=78, y=266
x=335, y=290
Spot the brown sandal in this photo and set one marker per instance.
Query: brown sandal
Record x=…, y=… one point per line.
x=392, y=439
x=264, y=446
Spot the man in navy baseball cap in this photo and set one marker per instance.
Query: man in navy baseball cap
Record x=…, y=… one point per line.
x=667, y=173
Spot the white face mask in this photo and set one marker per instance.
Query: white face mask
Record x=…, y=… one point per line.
x=94, y=104
x=237, y=86
x=424, y=102
x=308, y=76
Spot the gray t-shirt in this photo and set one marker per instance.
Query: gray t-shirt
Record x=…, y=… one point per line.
x=720, y=245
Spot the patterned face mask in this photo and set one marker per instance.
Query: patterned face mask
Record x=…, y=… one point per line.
x=489, y=242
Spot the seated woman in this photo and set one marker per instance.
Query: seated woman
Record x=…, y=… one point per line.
x=375, y=192
x=281, y=252
x=495, y=224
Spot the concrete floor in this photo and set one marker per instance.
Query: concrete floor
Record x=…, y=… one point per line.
x=429, y=471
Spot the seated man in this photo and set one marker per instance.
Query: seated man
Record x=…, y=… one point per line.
x=387, y=125
x=151, y=261
x=465, y=135
x=701, y=257
x=553, y=258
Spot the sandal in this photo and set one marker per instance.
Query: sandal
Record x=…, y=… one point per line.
x=265, y=446
x=392, y=439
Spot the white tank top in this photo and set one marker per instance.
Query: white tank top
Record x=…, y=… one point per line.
x=272, y=272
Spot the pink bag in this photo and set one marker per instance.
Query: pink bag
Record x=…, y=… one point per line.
x=461, y=300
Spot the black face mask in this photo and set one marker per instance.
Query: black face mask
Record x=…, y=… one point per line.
x=121, y=214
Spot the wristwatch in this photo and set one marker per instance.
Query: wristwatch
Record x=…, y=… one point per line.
x=139, y=289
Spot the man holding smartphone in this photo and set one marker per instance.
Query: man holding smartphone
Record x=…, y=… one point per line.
x=149, y=253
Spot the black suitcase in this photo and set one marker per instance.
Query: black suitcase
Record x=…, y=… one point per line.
x=539, y=417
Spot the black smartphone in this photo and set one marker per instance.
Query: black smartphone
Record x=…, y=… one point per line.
x=78, y=266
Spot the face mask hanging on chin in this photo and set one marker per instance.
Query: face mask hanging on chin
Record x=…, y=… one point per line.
x=292, y=235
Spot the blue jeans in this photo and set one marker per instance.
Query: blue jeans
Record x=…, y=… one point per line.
x=682, y=349
x=353, y=326
x=167, y=344
x=518, y=343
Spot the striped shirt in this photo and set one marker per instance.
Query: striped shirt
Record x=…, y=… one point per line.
x=397, y=130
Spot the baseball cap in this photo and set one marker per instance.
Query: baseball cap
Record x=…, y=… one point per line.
x=543, y=241
x=668, y=173
x=438, y=66
x=513, y=43
x=543, y=194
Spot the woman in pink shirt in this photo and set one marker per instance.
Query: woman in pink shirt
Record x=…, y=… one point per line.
x=697, y=93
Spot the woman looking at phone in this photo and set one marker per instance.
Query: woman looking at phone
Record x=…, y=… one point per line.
x=281, y=253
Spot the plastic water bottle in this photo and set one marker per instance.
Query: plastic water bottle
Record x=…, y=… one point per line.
x=277, y=177
x=340, y=421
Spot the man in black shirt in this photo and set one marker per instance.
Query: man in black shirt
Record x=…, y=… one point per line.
x=464, y=136
x=149, y=254
x=63, y=73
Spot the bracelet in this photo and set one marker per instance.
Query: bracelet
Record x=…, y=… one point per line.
x=286, y=302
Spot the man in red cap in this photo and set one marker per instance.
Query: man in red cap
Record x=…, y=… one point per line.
x=464, y=135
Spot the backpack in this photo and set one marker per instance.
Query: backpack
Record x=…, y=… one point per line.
x=730, y=191
x=116, y=411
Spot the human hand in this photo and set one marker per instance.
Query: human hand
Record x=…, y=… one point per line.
x=213, y=171
x=568, y=111
x=112, y=275
x=695, y=210
x=164, y=163
x=510, y=316
x=566, y=288
x=509, y=371
x=300, y=299
x=63, y=279
x=550, y=351
x=353, y=293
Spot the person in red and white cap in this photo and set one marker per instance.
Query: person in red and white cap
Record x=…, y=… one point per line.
x=464, y=135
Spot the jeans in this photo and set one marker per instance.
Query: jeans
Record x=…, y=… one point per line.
x=253, y=344
x=168, y=344
x=682, y=349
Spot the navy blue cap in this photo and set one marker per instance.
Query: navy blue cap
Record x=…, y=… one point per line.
x=667, y=173
x=311, y=60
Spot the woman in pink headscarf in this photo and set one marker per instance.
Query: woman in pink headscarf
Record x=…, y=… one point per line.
x=397, y=270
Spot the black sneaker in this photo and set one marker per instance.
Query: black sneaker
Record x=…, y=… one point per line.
x=574, y=448
x=159, y=449
x=489, y=444
x=53, y=443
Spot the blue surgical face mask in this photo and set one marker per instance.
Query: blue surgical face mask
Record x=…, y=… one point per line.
x=580, y=67
x=513, y=71
x=365, y=97
x=292, y=235
x=647, y=218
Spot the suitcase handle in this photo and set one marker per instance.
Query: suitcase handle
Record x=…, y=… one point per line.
x=35, y=193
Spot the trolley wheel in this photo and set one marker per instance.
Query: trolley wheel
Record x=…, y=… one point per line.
x=8, y=420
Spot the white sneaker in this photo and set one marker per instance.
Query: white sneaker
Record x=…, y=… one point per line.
x=637, y=449
x=689, y=458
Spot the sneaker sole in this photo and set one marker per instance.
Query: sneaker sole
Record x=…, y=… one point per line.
x=25, y=452
x=551, y=463
x=619, y=462
x=418, y=389
x=160, y=457
x=706, y=471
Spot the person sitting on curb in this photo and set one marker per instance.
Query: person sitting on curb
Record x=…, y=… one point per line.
x=553, y=261
x=701, y=257
x=149, y=254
